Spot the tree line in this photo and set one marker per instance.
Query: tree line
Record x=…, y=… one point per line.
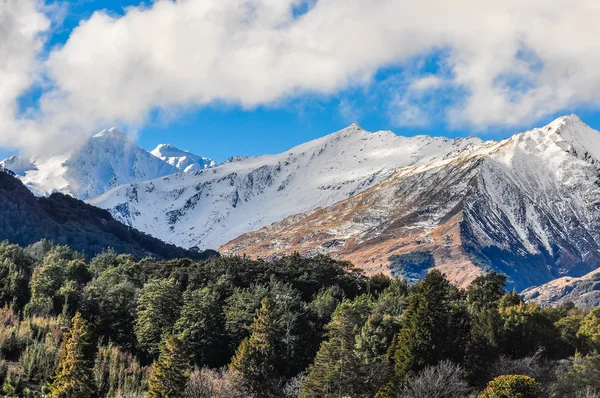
x=115, y=326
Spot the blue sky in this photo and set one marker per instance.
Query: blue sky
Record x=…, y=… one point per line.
x=220, y=129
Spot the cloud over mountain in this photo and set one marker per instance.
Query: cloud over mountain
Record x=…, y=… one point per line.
x=497, y=63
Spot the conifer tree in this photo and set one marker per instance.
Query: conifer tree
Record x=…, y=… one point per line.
x=158, y=310
x=337, y=370
x=170, y=371
x=435, y=327
x=74, y=376
x=256, y=356
x=202, y=327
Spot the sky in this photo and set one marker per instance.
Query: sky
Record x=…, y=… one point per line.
x=247, y=77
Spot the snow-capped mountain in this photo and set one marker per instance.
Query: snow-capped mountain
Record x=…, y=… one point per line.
x=18, y=165
x=107, y=160
x=210, y=207
x=526, y=206
x=182, y=160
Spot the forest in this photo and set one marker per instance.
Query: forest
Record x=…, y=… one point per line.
x=233, y=327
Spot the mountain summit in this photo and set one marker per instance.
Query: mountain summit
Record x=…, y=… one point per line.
x=107, y=160
x=182, y=160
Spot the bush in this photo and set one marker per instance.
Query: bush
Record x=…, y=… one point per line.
x=446, y=380
x=512, y=386
x=208, y=383
x=118, y=373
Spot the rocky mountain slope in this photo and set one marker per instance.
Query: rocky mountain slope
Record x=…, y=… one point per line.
x=213, y=206
x=526, y=206
x=583, y=291
x=26, y=219
x=107, y=160
x=182, y=160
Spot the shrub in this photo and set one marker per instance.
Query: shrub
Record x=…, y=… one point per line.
x=446, y=380
x=208, y=383
x=512, y=386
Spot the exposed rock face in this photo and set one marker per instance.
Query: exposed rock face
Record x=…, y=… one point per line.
x=527, y=207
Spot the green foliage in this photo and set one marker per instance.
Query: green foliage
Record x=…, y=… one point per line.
x=169, y=372
x=15, y=272
x=589, y=331
x=118, y=372
x=157, y=311
x=75, y=376
x=256, y=358
x=486, y=291
x=338, y=370
x=527, y=329
x=240, y=309
x=580, y=376
x=273, y=321
x=434, y=327
x=512, y=386
x=202, y=327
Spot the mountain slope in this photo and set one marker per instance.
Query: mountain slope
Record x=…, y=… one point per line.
x=527, y=206
x=210, y=207
x=107, y=160
x=26, y=219
x=182, y=160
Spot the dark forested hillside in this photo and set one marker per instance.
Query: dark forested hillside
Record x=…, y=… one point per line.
x=26, y=219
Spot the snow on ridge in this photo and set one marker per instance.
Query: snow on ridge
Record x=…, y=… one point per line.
x=213, y=206
x=18, y=165
x=108, y=159
x=182, y=159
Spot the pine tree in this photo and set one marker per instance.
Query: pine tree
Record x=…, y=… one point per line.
x=338, y=370
x=170, y=371
x=74, y=376
x=256, y=356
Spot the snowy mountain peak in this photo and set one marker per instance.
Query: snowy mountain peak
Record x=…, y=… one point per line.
x=112, y=133
x=574, y=136
x=108, y=159
x=181, y=159
x=18, y=165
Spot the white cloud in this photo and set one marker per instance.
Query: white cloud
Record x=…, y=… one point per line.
x=21, y=25
x=186, y=53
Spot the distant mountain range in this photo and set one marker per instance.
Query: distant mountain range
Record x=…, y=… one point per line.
x=527, y=206
x=107, y=160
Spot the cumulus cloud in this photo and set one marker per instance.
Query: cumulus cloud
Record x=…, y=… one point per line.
x=508, y=63
x=21, y=29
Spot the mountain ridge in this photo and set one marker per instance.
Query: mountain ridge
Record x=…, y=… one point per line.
x=212, y=206
x=107, y=160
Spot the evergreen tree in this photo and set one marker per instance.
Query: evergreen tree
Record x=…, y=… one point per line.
x=15, y=272
x=170, y=371
x=434, y=327
x=202, y=327
x=483, y=298
x=256, y=356
x=338, y=369
x=486, y=291
x=158, y=310
x=74, y=376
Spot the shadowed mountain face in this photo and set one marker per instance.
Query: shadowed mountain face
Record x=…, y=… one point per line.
x=26, y=219
x=527, y=206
